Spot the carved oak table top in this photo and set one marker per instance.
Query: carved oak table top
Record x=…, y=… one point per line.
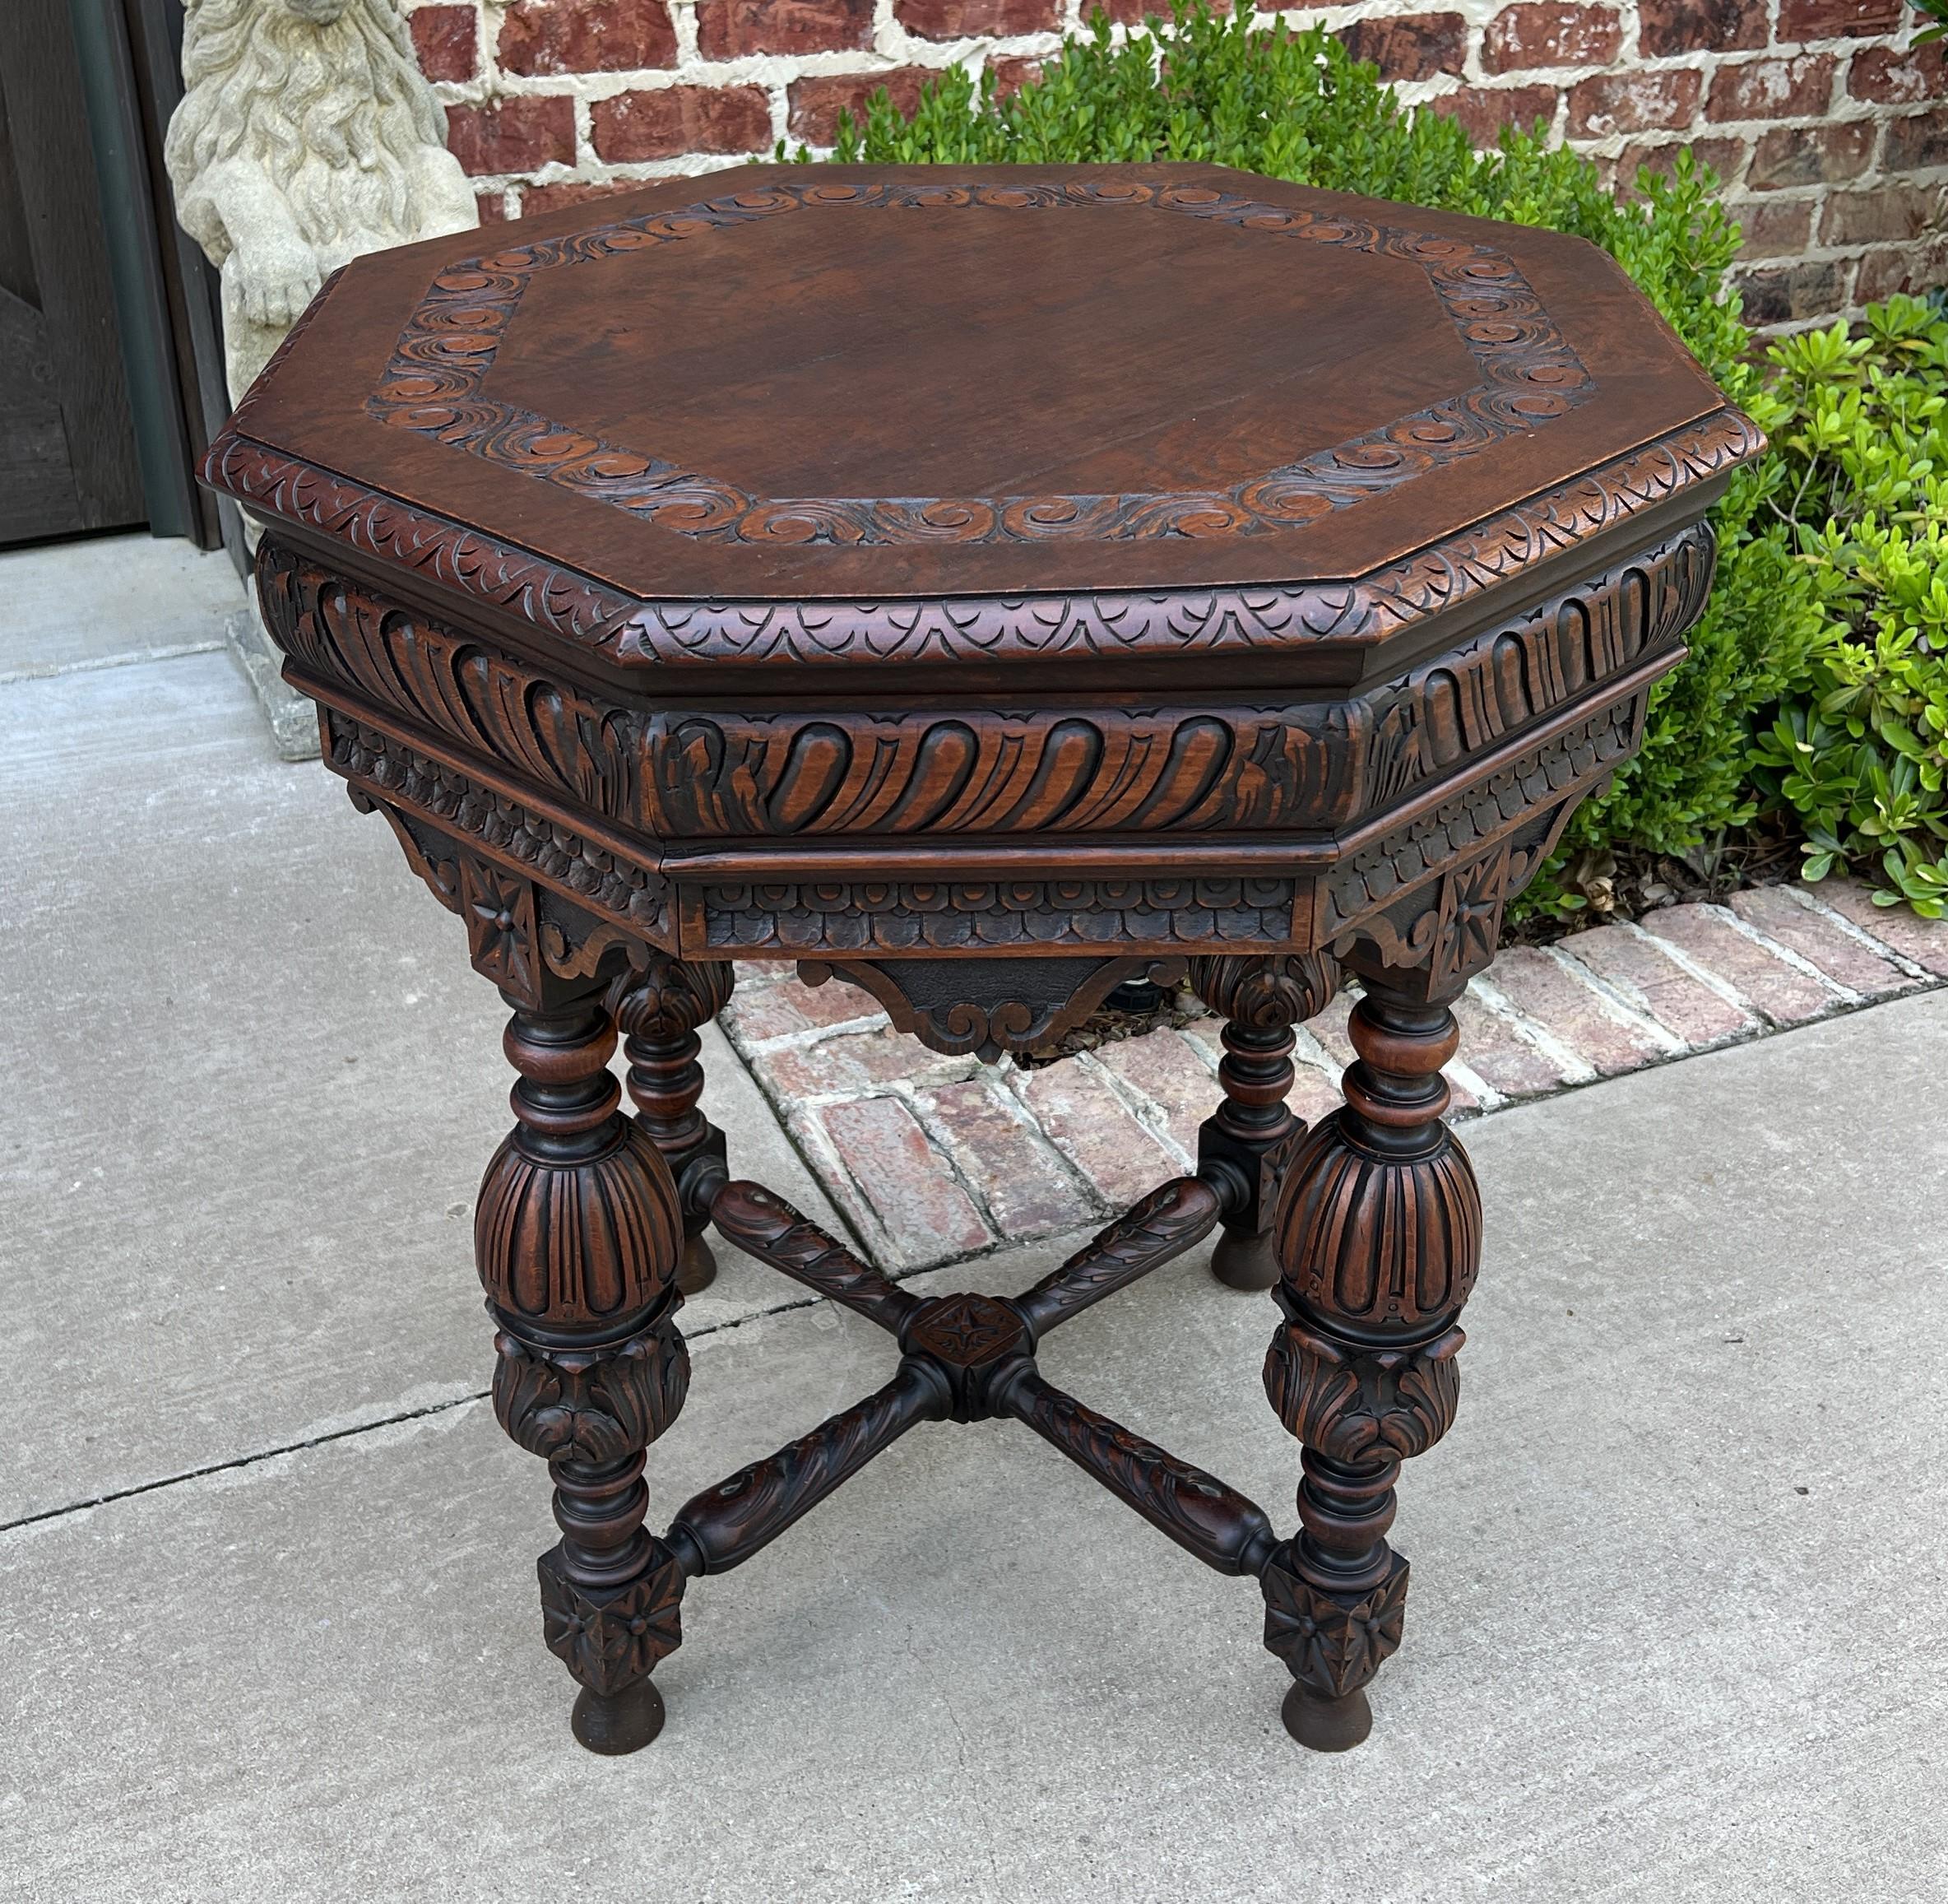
x=998, y=586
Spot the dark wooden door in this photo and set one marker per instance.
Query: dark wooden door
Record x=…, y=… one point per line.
x=67, y=449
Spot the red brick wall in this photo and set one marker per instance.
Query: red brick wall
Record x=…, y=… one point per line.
x=1833, y=138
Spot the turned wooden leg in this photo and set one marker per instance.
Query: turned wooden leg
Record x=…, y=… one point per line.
x=660, y=1011
x=1247, y=1143
x=577, y=1235
x=1378, y=1239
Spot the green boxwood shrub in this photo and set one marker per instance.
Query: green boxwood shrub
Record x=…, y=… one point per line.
x=1781, y=642
x=1856, y=488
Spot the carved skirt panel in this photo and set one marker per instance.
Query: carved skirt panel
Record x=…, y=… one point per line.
x=1308, y=767
x=1400, y=818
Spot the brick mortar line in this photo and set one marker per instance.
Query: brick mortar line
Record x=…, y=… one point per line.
x=934, y=1129
x=817, y=1034
x=1713, y=981
x=1843, y=992
x=1900, y=960
x=853, y=1235
x=1574, y=1067
x=1611, y=996
x=809, y=1133
x=999, y=1087
x=1140, y=1105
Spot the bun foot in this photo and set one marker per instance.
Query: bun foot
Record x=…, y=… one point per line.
x=699, y=1269
x=624, y=1722
x=1244, y=1262
x=1327, y=1724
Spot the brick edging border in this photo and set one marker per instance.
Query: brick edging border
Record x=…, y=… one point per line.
x=935, y=1160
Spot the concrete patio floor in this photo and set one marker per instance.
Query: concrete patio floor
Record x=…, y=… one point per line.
x=1678, y=1630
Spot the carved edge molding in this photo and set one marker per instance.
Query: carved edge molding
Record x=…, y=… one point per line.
x=1303, y=767
x=699, y=919
x=409, y=783
x=468, y=561
x=1373, y=899
x=1310, y=767
x=658, y=634
x=1200, y=621
x=923, y=918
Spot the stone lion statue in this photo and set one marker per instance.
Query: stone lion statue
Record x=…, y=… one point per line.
x=306, y=135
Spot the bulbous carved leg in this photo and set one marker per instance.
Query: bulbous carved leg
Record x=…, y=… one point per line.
x=659, y=1011
x=1378, y=1236
x=576, y=1235
x=1249, y=1141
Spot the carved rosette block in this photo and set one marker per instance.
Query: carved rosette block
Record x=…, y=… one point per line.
x=1334, y=1644
x=576, y=1236
x=610, y=1641
x=1248, y=1143
x=659, y=1009
x=1378, y=1236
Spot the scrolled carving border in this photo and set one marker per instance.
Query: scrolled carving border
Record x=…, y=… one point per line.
x=433, y=384
x=467, y=560
x=954, y=631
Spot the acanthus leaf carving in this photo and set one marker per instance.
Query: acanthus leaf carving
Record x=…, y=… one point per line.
x=1355, y=1405
x=666, y=999
x=1266, y=992
x=590, y=1404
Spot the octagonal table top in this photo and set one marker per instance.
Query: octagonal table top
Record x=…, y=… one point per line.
x=908, y=414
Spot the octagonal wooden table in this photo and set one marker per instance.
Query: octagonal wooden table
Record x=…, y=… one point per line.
x=994, y=586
